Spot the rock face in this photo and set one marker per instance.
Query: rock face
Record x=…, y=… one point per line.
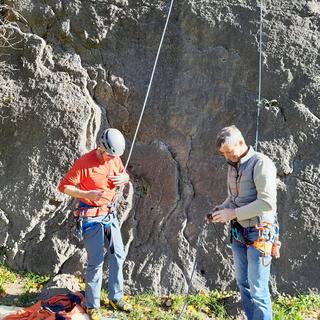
x=60, y=284
x=76, y=67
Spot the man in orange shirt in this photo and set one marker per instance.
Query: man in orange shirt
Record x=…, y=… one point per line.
x=93, y=179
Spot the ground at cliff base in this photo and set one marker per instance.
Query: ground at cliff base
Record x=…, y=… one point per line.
x=22, y=289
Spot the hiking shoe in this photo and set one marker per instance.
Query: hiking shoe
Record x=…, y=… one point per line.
x=120, y=305
x=94, y=314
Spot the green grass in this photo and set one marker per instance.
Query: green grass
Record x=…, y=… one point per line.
x=148, y=306
x=32, y=285
x=287, y=307
x=151, y=307
x=6, y=276
x=34, y=282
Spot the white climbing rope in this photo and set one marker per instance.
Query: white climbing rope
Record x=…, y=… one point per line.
x=150, y=83
x=200, y=238
x=120, y=189
x=259, y=102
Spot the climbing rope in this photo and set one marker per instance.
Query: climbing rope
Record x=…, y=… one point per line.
x=259, y=102
x=199, y=241
x=200, y=237
x=150, y=83
x=120, y=189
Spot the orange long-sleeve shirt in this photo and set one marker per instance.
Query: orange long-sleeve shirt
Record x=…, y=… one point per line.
x=91, y=173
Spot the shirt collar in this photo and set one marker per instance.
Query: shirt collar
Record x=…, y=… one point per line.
x=249, y=155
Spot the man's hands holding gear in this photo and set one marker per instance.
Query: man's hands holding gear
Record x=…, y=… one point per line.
x=221, y=215
x=120, y=179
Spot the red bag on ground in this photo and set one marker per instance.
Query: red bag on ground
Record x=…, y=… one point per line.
x=59, y=307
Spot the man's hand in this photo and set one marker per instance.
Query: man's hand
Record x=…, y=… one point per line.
x=120, y=179
x=222, y=216
x=209, y=215
x=94, y=195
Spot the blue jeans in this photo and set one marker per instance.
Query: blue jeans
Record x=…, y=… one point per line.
x=252, y=277
x=96, y=237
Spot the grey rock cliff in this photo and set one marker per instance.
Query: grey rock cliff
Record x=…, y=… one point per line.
x=79, y=66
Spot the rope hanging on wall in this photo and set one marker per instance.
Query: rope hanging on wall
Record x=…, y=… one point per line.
x=150, y=83
x=119, y=192
x=261, y=102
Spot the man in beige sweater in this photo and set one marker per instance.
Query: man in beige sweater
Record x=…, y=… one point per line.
x=251, y=208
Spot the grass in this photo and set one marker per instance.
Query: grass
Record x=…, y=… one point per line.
x=203, y=305
x=300, y=307
x=147, y=306
x=200, y=306
x=31, y=283
x=6, y=276
x=34, y=282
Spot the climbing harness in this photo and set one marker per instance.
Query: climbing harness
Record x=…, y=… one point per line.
x=267, y=241
x=84, y=212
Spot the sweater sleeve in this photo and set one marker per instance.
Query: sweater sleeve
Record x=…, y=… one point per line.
x=264, y=176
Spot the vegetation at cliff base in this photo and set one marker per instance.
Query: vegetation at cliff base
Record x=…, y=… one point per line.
x=148, y=306
x=20, y=288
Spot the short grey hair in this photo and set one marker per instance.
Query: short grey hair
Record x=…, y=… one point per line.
x=228, y=135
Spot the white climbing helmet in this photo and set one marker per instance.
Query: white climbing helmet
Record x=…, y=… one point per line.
x=113, y=141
